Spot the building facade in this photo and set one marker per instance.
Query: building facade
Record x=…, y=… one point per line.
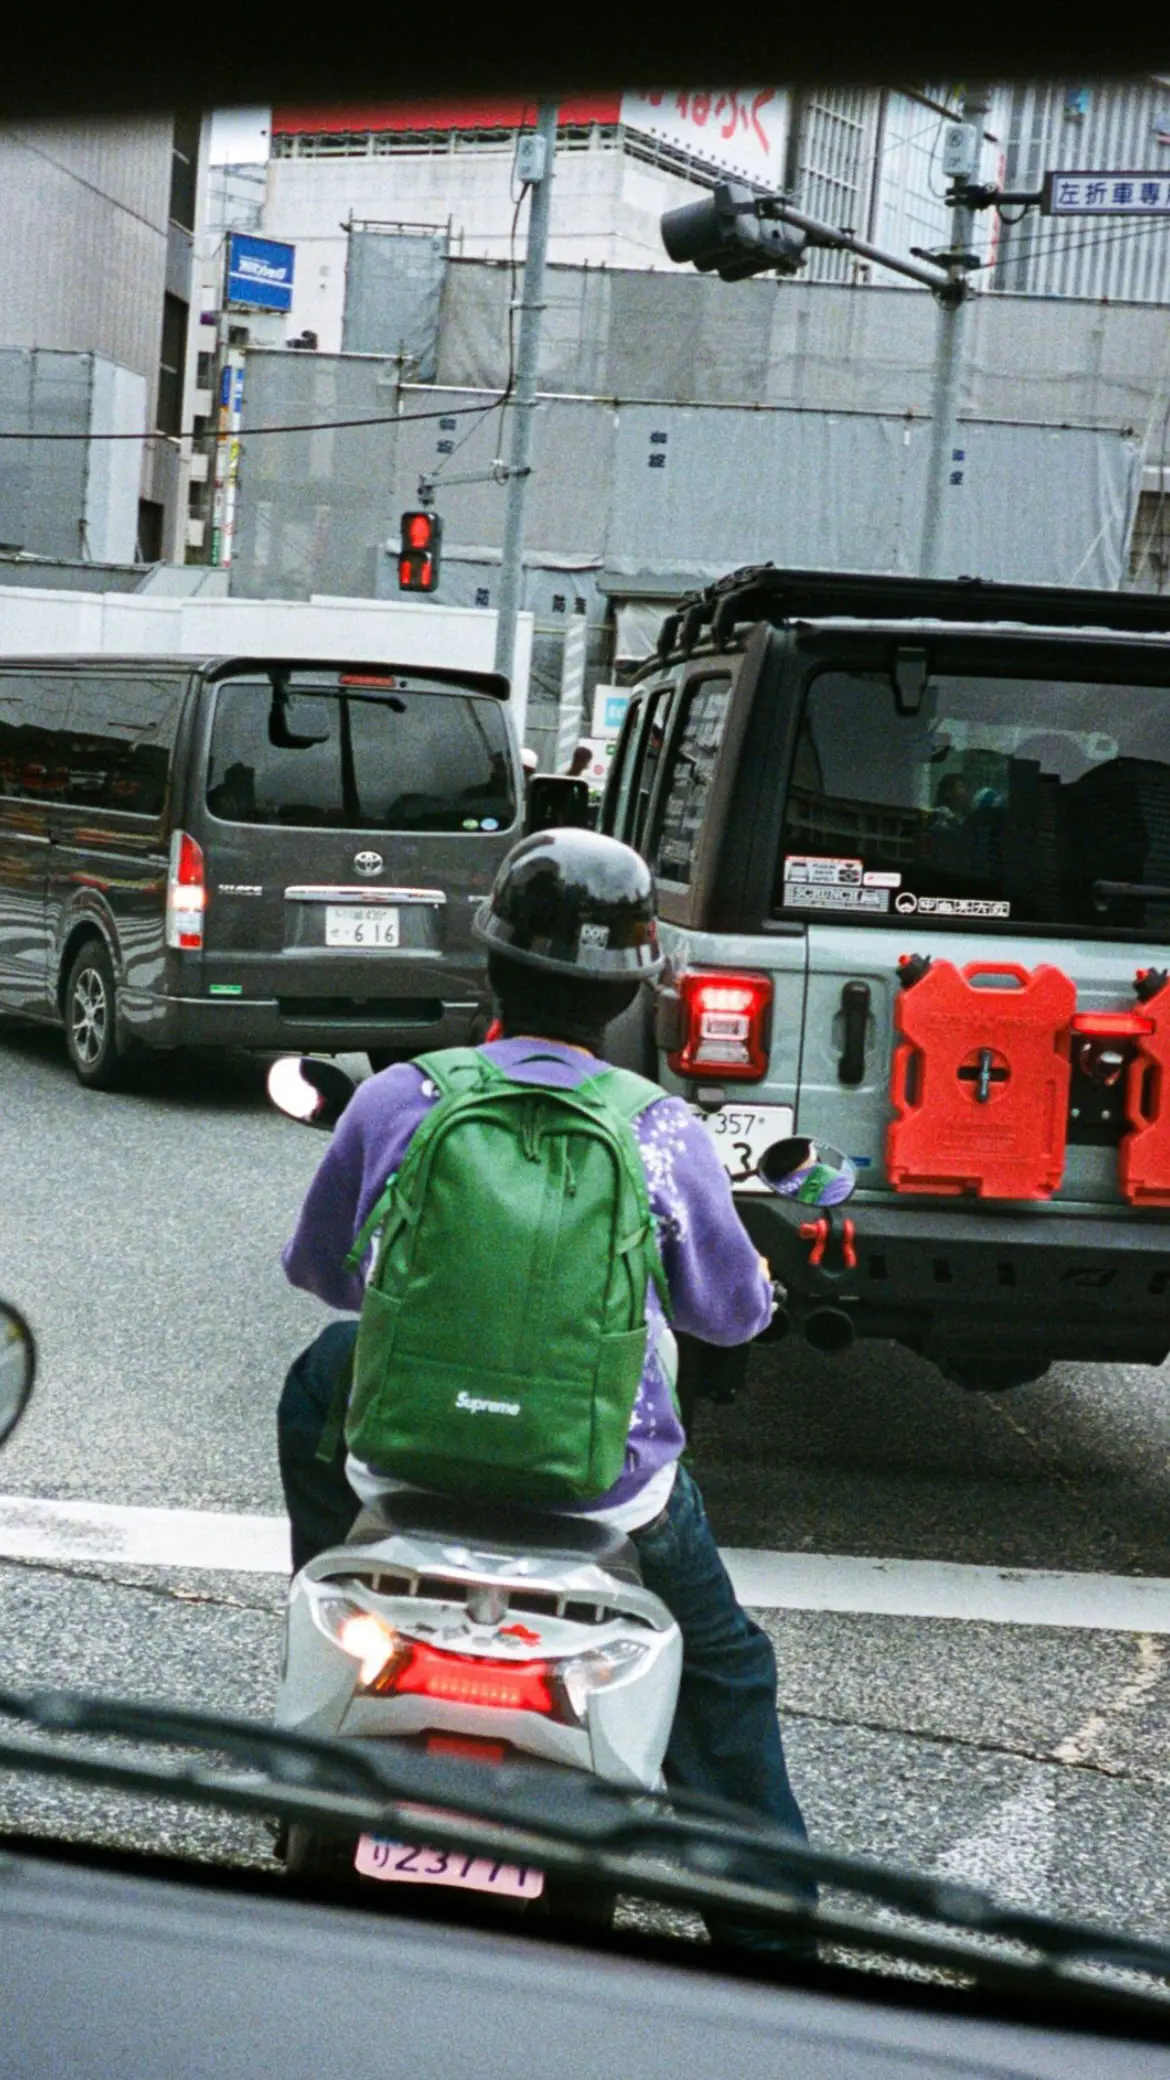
x=98, y=225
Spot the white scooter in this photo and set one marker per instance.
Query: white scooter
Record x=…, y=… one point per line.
x=492, y=1633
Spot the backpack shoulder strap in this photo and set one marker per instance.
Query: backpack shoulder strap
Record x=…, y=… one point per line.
x=627, y=1093
x=457, y=1070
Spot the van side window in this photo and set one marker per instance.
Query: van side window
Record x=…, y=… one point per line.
x=32, y=712
x=693, y=760
x=120, y=732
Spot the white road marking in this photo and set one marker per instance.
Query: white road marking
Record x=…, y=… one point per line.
x=1089, y=1741
x=34, y=1528
x=950, y=1589
x=1012, y=1850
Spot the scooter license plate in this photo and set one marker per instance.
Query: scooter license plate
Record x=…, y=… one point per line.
x=400, y=1863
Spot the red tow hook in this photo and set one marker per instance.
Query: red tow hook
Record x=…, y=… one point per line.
x=816, y=1232
x=821, y=1231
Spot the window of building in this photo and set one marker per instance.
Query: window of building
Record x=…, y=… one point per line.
x=184, y=171
x=149, y=547
x=172, y=355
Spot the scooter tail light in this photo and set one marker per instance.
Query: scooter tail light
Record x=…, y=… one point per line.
x=186, y=894
x=469, y=1679
x=726, y=1020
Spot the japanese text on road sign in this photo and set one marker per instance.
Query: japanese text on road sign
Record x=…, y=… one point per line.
x=1106, y=194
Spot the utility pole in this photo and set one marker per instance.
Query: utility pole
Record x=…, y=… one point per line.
x=540, y=148
x=946, y=462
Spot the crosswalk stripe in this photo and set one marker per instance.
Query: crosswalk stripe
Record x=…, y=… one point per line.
x=71, y=1532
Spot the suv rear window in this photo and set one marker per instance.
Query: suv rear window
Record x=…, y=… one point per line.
x=323, y=750
x=1034, y=802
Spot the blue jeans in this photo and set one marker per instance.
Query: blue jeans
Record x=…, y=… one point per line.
x=726, y=1736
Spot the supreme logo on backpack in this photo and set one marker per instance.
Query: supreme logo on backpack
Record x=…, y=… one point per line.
x=503, y=1332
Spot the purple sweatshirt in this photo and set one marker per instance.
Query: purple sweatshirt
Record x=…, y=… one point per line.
x=717, y=1288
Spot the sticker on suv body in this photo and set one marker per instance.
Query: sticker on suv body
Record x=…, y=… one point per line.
x=823, y=870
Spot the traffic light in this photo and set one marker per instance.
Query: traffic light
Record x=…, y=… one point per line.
x=418, y=554
x=725, y=233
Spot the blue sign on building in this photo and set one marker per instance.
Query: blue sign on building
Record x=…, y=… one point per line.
x=260, y=272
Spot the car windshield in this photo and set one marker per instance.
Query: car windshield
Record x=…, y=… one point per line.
x=364, y=464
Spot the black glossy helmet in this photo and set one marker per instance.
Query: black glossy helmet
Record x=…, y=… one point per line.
x=574, y=903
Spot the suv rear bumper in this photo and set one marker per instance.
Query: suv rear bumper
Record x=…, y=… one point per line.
x=1050, y=1285
x=288, y=1026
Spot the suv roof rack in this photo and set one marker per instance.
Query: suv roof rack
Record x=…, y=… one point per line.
x=762, y=592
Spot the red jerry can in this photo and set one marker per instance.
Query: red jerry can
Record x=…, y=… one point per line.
x=1143, y=1160
x=980, y=1081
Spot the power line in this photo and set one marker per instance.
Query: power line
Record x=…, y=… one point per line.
x=458, y=411
x=38, y=152
x=1043, y=246
x=497, y=403
x=247, y=433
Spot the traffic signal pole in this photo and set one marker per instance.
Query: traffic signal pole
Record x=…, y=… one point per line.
x=946, y=462
x=731, y=233
x=524, y=392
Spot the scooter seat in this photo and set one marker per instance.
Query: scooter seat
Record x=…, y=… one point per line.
x=414, y=1513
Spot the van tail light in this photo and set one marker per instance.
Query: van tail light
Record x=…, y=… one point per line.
x=725, y=1020
x=186, y=894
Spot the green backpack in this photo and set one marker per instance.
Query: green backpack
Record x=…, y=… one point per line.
x=503, y=1331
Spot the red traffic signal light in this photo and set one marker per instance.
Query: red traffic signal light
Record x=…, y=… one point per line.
x=418, y=554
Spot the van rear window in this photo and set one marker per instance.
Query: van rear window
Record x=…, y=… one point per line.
x=347, y=752
x=998, y=801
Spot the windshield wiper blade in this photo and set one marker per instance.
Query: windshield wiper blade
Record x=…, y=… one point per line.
x=578, y=1826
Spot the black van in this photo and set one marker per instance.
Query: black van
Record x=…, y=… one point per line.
x=267, y=853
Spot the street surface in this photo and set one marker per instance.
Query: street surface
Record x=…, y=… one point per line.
x=140, y=1233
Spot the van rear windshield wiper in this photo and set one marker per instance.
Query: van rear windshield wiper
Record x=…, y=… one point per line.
x=684, y=1851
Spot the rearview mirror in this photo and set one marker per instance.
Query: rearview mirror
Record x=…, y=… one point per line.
x=557, y=803
x=808, y=1171
x=18, y=1366
x=315, y=1093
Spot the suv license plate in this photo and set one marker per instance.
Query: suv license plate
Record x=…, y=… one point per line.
x=360, y=924
x=741, y=1133
x=401, y=1864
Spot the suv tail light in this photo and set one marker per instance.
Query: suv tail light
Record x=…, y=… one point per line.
x=186, y=894
x=725, y=1019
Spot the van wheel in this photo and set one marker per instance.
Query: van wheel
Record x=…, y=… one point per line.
x=91, y=1018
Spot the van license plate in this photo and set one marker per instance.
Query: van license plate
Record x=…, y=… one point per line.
x=741, y=1133
x=401, y=1864
x=360, y=924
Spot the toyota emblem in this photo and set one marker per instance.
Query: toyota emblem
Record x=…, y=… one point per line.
x=368, y=862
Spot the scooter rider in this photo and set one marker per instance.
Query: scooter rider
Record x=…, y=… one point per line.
x=570, y=932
